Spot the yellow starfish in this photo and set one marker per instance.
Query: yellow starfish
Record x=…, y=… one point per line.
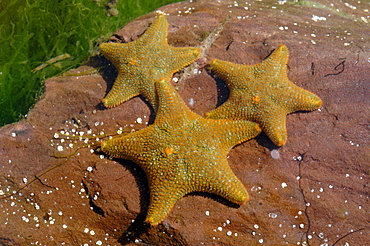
x=143, y=62
x=183, y=152
x=262, y=93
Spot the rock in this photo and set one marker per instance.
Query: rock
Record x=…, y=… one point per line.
x=312, y=191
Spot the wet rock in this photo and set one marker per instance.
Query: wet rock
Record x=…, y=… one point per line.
x=312, y=191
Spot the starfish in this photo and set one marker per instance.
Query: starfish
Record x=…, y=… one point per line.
x=144, y=61
x=262, y=93
x=182, y=152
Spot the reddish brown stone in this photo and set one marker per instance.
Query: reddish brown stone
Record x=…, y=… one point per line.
x=315, y=193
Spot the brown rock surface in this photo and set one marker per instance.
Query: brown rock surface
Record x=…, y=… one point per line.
x=315, y=193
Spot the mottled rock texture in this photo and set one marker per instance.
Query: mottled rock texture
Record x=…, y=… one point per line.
x=315, y=193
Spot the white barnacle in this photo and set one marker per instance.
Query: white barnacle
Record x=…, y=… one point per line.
x=275, y=154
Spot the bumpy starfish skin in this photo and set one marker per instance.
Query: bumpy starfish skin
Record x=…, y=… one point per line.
x=183, y=152
x=262, y=93
x=143, y=62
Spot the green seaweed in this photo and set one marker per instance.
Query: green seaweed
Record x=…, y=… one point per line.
x=59, y=34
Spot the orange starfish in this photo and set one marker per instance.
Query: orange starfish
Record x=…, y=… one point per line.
x=183, y=152
x=143, y=62
x=262, y=93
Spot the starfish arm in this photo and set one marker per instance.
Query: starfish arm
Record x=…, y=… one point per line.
x=270, y=118
x=180, y=57
x=279, y=59
x=148, y=148
x=117, y=53
x=217, y=177
x=120, y=92
x=276, y=62
x=227, y=71
x=296, y=97
x=229, y=110
x=134, y=146
x=301, y=99
x=171, y=106
x=226, y=111
x=155, y=34
x=162, y=199
x=274, y=125
x=234, y=132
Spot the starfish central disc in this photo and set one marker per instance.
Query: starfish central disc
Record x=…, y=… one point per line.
x=182, y=152
x=144, y=61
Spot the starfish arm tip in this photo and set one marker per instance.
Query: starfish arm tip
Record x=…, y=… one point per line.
x=105, y=103
x=242, y=198
x=279, y=139
x=106, y=48
x=161, y=204
x=319, y=104
x=280, y=54
x=280, y=143
x=151, y=221
x=194, y=54
x=103, y=48
x=197, y=51
x=108, y=104
x=102, y=45
x=213, y=61
x=282, y=46
x=245, y=200
x=310, y=104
